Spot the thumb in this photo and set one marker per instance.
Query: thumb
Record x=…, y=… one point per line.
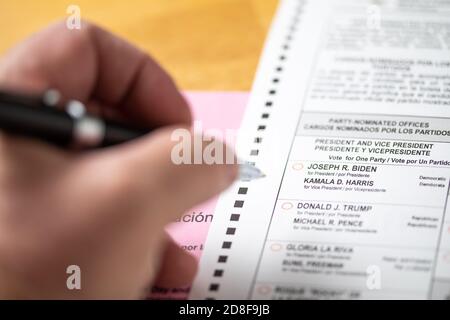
x=153, y=163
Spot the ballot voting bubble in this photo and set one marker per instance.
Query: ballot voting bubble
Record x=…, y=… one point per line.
x=276, y=247
x=447, y=257
x=264, y=290
x=298, y=166
x=287, y=205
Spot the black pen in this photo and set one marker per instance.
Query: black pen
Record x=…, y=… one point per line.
x=69, y=125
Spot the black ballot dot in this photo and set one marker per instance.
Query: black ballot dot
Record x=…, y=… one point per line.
x=214, y=287
x=238, y=204
x=242, y=190
x=231, y=231
x=218, y=273
x=235, y=217
x=226, y=245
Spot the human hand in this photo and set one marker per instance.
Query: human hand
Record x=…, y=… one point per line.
x=104, y=211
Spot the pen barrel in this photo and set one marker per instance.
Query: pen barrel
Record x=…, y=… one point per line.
x=43, y=123
x=116, y=133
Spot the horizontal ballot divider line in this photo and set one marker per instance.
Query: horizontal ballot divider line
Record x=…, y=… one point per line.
x=442, y=279
x=368, y=138
x=353, y=244
x=374, y=114
x=370, y=203
x=369, y=163
x=337, y=287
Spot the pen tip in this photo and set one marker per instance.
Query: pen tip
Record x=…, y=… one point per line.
x=250, y=172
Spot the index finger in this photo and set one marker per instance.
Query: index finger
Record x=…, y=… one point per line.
x=93, y=65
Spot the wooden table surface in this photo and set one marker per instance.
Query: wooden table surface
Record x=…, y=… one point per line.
x=204, y=44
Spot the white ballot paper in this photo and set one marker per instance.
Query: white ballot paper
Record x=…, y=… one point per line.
x=349, y=118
